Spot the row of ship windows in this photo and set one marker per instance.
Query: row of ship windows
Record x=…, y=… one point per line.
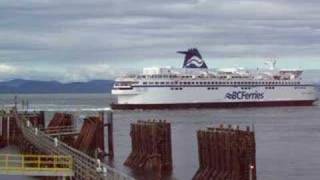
x=175, y=76
x=216, y=88
x=222, y=83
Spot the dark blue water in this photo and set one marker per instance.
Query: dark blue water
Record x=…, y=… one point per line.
x=287, y=138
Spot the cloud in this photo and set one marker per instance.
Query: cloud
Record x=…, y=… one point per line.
x=6, y=69
x=56, y=36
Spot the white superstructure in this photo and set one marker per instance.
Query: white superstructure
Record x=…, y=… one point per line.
x=195, y=85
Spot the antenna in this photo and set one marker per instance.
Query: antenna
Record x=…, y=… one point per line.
x=271, y=62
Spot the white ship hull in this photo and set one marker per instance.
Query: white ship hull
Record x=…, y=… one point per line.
x=222, y=96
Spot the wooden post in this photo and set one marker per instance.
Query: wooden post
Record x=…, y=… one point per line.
x=110, y=133
x=8, y=130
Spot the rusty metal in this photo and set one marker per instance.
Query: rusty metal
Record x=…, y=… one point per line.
x=151, y=146
x=226, y=153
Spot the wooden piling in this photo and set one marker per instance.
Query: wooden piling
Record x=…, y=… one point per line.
x=151, y=146
x=226, y=153
x=109, y=126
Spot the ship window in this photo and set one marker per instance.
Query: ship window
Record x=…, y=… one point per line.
x=192, y=83
x=157, y=83
x=162, y=83
x=167, y=82
x=150, y=82
x=200, y=82
x=204, y=82
x=144, y=83
x=269, y=87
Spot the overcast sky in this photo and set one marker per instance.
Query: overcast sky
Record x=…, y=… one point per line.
x=71, y=40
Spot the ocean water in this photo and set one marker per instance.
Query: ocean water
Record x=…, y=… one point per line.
x=287, y=138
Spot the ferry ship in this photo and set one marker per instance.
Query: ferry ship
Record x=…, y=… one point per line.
x=196, y=86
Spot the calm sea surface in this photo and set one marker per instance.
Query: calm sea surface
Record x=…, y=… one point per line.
x=287, y=138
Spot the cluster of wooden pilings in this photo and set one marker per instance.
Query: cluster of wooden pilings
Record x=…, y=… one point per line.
x=151, y=146
x=226, y=153
x=91, y=137
x=59, y=121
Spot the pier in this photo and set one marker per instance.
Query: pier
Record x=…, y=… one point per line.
x=48, y=155
x=62, y=150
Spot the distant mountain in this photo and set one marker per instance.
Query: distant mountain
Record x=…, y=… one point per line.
x=33, y=86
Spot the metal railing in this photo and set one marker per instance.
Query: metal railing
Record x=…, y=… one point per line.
x=61, y=130
x=85, y=167
x=49, y=165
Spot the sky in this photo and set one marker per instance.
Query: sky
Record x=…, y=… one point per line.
x=80, y=40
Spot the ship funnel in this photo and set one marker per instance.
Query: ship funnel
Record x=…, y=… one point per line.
x=193, y=59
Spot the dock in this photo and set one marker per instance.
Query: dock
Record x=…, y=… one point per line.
x=61, y=150
x=53, y=157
